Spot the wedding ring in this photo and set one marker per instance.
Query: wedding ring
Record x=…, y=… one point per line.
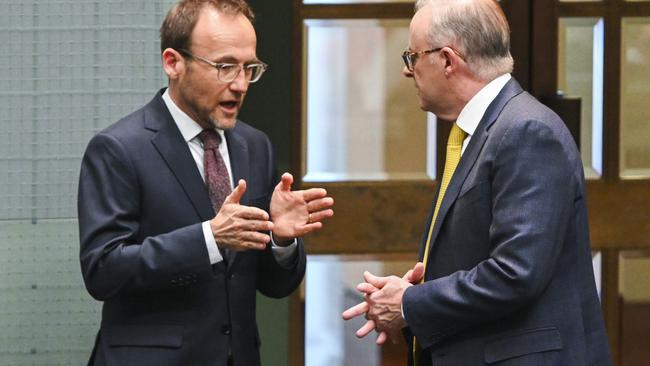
x=309, y=219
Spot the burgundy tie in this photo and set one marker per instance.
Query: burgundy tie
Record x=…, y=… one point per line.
x=216, y=174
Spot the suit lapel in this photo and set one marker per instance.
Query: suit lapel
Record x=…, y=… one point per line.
x=239, y=163
x=471, y=153
x=173, y=149
x=239, y=159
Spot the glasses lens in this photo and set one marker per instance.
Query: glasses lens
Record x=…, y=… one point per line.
x=408, y=61
x=254, y=72
x=228, y=73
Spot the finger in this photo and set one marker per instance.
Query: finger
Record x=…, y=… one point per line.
x=365, y=329
x=257, y=225
x=366, y=288
x=381, y=338
x=255, y=237
x=315, y=217
x=355, y=311
x=236, y=195
x=252, y=213
x=378, y=282
x=313, y=193
x=416, y=273
x=318, y=204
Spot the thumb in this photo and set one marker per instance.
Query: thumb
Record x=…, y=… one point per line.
x=416, y=273
x=236, y=195
x=378, y=282
x=285, y=182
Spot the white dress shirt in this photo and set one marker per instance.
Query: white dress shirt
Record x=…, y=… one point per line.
x=190, y=131
x=473, y=112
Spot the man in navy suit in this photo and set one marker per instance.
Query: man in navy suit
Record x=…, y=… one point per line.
x=177, y=275
x=508, y=277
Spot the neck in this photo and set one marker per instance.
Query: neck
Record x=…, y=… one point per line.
x=465, y=87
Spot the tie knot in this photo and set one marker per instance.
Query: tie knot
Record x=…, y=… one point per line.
x=211, y=139
x=456, y=136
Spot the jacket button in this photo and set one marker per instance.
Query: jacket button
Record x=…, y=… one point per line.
x=231, y=276
x=226, y=329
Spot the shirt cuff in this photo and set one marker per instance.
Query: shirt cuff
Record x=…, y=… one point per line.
x=211, y=244
x=286, y=254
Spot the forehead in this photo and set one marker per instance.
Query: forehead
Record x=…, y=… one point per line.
x=419, y=27
x=220, y=32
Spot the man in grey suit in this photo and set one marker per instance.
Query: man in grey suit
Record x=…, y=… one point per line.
x=508, y=277
x=176, y=258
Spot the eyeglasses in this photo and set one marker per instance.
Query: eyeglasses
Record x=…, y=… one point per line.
x=410, y=57
x=227, y=72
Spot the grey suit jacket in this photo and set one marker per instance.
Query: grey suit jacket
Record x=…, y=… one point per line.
x=141, y=203
x=509, y=279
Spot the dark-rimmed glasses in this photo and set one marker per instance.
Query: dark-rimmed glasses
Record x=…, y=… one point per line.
x=227, y=72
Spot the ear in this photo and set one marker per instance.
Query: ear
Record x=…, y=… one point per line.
x=452, y=60
x=173, y=63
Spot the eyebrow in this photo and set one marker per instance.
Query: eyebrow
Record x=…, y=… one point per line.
x=231, y=60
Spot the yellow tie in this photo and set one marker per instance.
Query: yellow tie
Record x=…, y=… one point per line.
x=454, y=147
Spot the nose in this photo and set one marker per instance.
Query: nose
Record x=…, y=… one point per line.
x=407, y=73
x=240, y=84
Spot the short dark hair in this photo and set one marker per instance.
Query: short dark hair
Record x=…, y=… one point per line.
x=176, y=29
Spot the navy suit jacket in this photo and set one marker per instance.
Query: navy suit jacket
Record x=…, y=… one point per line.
x=141, y=203
x=509, y=279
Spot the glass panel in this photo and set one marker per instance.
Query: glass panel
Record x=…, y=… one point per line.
x=363, y=117
x=580, y=74
x=634, y=295
x=635, y=93
x=330, y=288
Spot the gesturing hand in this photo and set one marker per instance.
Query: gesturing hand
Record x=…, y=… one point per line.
x=413, y=276
x=236, y=227
x=296, y=213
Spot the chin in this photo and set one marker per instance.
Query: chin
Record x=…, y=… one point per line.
x=224, y=123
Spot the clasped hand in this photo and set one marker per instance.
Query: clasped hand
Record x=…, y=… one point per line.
x=293, y=213
x=383, y=303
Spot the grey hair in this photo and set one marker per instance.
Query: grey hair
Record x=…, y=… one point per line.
x=477, y=29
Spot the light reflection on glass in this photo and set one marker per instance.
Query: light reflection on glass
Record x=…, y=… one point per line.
x=363, y=120
x=580, y=74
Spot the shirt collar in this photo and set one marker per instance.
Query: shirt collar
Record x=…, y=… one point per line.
x=473, y=112
x=188, y=127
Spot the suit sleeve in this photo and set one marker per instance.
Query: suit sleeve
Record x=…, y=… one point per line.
x=533, y=183
x=274, y=279
x=113, y=260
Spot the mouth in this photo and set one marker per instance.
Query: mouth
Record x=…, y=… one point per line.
x=229, y=106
